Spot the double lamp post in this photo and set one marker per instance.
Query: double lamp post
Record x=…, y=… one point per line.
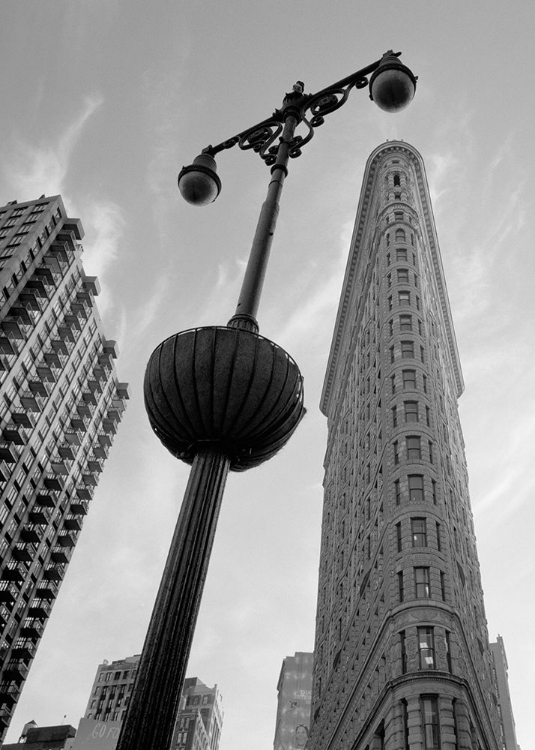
x=225, y=398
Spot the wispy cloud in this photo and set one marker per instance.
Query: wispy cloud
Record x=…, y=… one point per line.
x=104, y=225
x=34, y=169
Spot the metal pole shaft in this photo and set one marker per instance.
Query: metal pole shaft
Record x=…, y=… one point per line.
x=255, y=272
x=150, y=720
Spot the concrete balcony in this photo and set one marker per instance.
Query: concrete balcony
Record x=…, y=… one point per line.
x=45, y=274
x=44, y=500
x=24, y=650
x=53, y=573
x=13, y=434
x=66, y=540
x=29, y=535
x=29, y=300
x=12, y=574
x=38, y=388
x=59, y=346
x=90, y=284
x=45, y=373
x=12, y=330
x=60, y=555
x=6, y=347
x=37, y=286
x=40, y=517
x=7, y=454
x=29, y=402
x=32, y=628
x=65, y=451
x=15, y=671
x=72, y=524
x=89, y=480
x=23, y=419
x=53, y=482
x=78, y=508
x=8, y=594
x=52, y=359
x=23, y=553
x=72, y=321
x=20, y=312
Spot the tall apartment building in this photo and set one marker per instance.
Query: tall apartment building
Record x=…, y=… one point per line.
x=60, y=403
x=200, y=717
x=504, y=697
x=402, y=658
x=294, y=701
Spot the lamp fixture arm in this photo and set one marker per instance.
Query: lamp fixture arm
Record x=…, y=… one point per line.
x=308, y=108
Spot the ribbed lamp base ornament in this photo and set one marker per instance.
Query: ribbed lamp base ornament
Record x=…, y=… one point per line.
x=218, y=398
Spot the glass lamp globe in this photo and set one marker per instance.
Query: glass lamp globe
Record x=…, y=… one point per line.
x=198, y=183
x=392, y=85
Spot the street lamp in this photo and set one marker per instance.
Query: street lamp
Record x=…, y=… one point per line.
x=225, y=398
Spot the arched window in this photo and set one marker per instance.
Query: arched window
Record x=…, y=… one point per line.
x=397, y=183
x=400, y=235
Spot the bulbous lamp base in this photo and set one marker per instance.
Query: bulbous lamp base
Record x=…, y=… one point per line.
x=227, y=389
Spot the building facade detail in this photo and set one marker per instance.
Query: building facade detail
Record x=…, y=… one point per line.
x=60, y=404
x=402, y=658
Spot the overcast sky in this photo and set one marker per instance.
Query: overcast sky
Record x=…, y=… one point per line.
x=103, y=101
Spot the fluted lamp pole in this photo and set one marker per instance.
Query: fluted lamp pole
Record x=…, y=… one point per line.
x=225, y=398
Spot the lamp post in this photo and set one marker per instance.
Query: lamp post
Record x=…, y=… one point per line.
x=225, y=398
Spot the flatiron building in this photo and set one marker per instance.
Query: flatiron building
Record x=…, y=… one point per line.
x=402, y=658
x=60, y=404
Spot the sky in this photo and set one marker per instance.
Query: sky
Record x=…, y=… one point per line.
x=103, y=101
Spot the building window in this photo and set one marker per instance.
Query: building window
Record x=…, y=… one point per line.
x=431, y=455
x=398, y=215
x=411, y=411
x=404, y=298
x=427, y=416
x=439, y=543
x=405, y=711
x=424, y=381
x=447, y=643
x=430, y=723
x=443, y=586
x=400, y=235
x=392, y=355
x=426, y=648
x=400, y=586
x=390, y=302
x=394, y=416
x=409, y=379
x=421, y=583
x=419, y=532
x=397, y=492
x=395, y=446
x=407, y=349
x=398, y=537
x=391, y=327
x=403, y=645
x=416, y=488
x=403, y=275
x=414, y=451
x=393, y=381
x=405, y=322
x=401, y=253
